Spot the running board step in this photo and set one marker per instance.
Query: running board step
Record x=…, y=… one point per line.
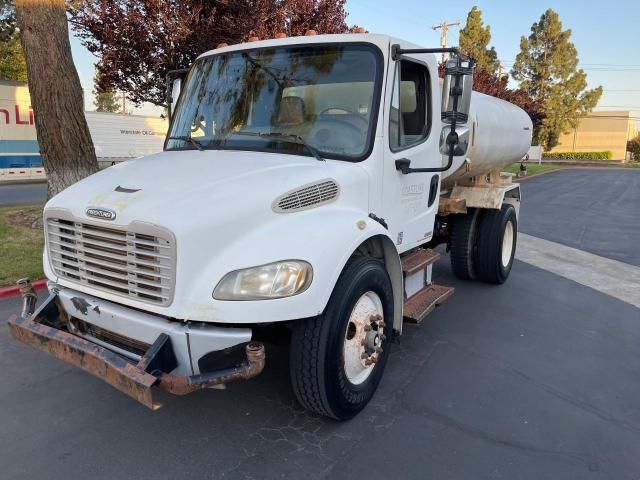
x=425, y=301
x=418, y=260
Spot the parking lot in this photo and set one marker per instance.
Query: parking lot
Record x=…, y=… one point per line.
x=538, y=378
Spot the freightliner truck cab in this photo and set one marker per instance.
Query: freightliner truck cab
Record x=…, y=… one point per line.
x=303, y=183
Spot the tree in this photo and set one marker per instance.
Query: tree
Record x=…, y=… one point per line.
x=546, y=68
x=7, y=20
x=139, y=41
x=633, y=146
x=474, y=41
x=12, y=63
x=105, y=99
x=56, y=95
x=491, y=84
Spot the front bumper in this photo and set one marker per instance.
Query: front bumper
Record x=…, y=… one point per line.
x=46, y=329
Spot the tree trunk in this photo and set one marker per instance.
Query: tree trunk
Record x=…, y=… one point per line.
x=56, y=95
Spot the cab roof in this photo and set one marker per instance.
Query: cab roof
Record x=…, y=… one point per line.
x=381, y=41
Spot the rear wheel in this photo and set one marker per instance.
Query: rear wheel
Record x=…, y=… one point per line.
x=463, y=244
x=496, y=245
x=338, y=358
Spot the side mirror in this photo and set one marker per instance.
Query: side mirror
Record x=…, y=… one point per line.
x=174, y=86
x=459, y=138
x=458, y=83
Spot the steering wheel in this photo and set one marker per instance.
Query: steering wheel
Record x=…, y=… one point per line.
x=337, y=132
x=354, y=114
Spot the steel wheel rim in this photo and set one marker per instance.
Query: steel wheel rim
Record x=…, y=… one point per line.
x=507, y=244
x=363, y=338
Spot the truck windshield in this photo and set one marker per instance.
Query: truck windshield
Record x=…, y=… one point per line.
x=283, y=99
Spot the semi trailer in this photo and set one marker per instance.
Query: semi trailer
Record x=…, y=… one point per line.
x=303, y=187
x=115, y=137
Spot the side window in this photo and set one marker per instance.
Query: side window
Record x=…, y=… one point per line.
x=410, y=113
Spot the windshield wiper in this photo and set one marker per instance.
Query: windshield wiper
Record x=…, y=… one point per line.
x=186, y=138
x=287, y=137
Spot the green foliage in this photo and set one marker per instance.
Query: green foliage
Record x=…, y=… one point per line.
x=547, y=68
x=474, y=41
x=12, y=63
x=105, y=99
x=532, y=168
x=633, y=146
x=7, y=20
x=606, y=155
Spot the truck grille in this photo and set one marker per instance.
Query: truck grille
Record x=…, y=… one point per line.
x=138, y=262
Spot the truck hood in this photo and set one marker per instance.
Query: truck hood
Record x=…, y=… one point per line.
x=219, y=207
x=179, y=188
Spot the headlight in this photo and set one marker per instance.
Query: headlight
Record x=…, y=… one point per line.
x=275, y=280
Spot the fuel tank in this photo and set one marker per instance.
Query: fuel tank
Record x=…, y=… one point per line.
x=499, y=135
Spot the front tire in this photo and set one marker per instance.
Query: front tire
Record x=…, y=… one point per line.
x=496, y=244
x=338, y=358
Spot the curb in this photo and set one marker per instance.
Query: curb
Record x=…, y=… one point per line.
x=14, y=291
x=541, y=173
x=25, y=181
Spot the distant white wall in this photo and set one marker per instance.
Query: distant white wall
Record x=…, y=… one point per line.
x=535, y=154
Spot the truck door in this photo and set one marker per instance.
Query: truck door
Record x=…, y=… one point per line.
x=412, y=122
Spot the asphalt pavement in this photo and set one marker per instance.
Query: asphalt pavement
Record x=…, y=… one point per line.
x=537, y=378
x=22, y=194
x=594, y=209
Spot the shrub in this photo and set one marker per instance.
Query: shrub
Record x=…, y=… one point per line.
x=633, y=146
x=607, y=155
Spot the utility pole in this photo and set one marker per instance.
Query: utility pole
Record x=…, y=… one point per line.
x=443, y=36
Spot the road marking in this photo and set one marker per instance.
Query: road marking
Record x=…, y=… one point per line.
x=614, y=278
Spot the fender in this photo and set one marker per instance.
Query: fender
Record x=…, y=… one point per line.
x=488, y=196
x=303, y=236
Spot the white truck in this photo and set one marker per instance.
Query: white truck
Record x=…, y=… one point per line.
x=303, y=184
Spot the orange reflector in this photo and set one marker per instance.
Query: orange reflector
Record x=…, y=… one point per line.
x=310, y=33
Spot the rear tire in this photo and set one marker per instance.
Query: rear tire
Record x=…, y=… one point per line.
x=496, y=247
x=463, y=244
x=326, y=375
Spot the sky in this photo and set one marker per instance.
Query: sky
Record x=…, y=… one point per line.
x=606, y=35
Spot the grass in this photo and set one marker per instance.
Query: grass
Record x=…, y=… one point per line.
x=20, y=245
x=532, y=169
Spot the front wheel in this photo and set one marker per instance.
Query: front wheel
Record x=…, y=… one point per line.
x=338, y=358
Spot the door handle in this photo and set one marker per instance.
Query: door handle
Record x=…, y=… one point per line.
x=404, y=165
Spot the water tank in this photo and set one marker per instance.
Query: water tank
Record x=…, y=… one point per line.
x=500, y=134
